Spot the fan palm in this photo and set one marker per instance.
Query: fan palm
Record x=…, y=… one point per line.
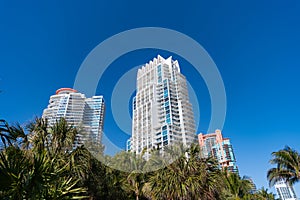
x=62, y=136
x=188, y=177
x=39, y=135
x=5, y=134
x=42, y=168
x=33, y=176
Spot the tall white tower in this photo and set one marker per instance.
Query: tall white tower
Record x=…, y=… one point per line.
x=162, y=113
x=285, y=191
x=87, y=114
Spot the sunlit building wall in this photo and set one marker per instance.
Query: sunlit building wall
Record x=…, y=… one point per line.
x=86, y=114
x=162, y=112
x=284, y=190
x=220, y=148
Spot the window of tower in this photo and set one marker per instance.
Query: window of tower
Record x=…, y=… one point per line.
x=165, y=93
x=159, y=73
x=165, y=132
x=168, y=121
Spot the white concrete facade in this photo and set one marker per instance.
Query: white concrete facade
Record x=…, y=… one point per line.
x=162, y=113
x=87, y=114
x=285, y=191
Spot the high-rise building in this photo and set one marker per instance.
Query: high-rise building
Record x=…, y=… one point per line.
x=284, y=190
x=253, y=186
x=87, y=114
x=162, y=112
x=215, y=145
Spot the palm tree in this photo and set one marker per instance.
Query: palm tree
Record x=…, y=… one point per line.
x=39, y=136
x=34, y=175
x=62, y=136
x=133, y=177
x=79, y=162
x=43, y=169
x=236, y=188
x=5, y=136
x=12, y=165
x=135, y=182
x=264, y=194
x=19, y=136
x=188, y=177
x=288, y=166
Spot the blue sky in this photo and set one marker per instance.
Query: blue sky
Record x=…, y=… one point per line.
x=255, y=45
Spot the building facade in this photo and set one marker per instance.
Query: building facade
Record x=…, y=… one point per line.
x=215, y=145
x=285, y=191
x=253, y=186
x=87, y=114
x=162, y=112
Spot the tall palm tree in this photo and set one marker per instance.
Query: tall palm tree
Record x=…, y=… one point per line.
x=288, y=166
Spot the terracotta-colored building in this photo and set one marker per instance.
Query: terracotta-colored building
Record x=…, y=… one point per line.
x=213, y=144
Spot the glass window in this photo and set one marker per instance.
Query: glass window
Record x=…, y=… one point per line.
x=165, y=132
x=168, y=121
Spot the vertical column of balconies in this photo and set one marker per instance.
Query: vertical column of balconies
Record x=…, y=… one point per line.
x=93, y=119
x=185, y=109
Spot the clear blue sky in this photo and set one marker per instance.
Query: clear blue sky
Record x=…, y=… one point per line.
x=255, y=44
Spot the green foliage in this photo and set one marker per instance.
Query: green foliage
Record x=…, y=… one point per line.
x=263, y=194
x=239, y=189
x=6, y=136
x=288, y=166
x=236, y=187
x=188, y=177
x=43, y=171
x=40, y=162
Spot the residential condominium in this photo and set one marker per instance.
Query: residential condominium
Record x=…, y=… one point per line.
x=216, y=146
x=87, y=114
x=253, y=186
x=162, y=112
x=284, y=190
